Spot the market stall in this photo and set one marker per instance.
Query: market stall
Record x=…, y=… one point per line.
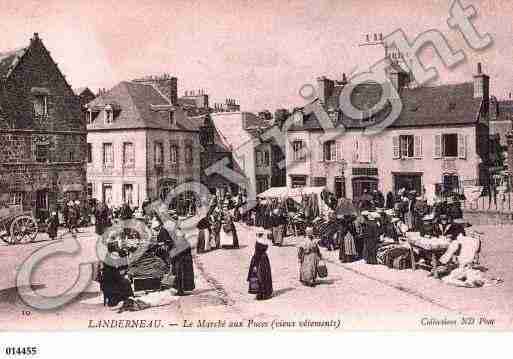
x=304, y=205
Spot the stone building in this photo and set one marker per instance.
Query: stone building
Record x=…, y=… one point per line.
x=42, y=136
x=140, y=143
x=438, y=142
x=216, y=156
x=255, y=156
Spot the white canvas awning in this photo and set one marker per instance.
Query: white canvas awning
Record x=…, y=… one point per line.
x=294, y=193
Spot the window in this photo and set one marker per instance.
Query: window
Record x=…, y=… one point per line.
x=159, y=153
x=71, y=156
x=262, y=184
x=406, y=142
x=450, y=145
x=128, y=155
x=16, y=198
x=91, y=116
x=262, y=158
x=319, y=181
x=89, y=190
x=173, y=154
x=298, y=181
x=407, y=146
x=330, y=151
x=299, y=152
x=188, y=155
x=451, y=183
x=42, y=153
x=108, y=155
x=41, y=105
x=89, y=152
x=109, y=115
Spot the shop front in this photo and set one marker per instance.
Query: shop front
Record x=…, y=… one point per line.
x=410, y=181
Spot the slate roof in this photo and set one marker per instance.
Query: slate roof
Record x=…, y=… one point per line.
x=443, y=105
x=78, y=91
x=132, y=103
x=9, y=59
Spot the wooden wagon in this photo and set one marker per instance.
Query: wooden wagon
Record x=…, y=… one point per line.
x=16, y=225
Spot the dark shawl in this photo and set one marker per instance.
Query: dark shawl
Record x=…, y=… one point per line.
x=260, y=261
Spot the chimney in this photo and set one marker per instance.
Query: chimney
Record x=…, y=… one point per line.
x=166, y=84
x=481, y=84
x=325, y=88
x=398, y=77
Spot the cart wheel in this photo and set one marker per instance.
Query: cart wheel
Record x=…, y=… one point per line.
x=23, y=229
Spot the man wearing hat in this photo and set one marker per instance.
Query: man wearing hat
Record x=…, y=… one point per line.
x=446, y=228
x=427, y=227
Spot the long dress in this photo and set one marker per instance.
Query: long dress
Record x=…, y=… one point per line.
x=115, y=287
x=278, y=221
x=260, y=268
x=53, y=225
x=347, y=237
x=181, y=259
x=309, y=256
x=203, y=244
x=228, y=232
x=370, y=241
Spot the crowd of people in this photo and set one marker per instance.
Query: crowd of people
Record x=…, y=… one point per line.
x=357, y=234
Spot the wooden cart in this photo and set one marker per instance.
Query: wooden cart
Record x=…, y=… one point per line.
x=17, y=226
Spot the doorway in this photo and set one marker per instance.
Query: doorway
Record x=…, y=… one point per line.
x=364, y=184
x=107, y=194
x=42, y=205
x=340, y=187
x=408, y=181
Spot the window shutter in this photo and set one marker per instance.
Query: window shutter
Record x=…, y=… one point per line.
x=437, y=153
x=462, y=147
x=355, y=149
x=417, y=149
x=320, y=151
x=395, y=146
x=333, y=151
x=339, y=156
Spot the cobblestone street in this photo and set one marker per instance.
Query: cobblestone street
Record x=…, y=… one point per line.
x=359, y=295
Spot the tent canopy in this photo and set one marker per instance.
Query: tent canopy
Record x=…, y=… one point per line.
x=294, y=193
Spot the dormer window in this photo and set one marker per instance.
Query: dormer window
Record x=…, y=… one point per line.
x=41, y=105
x=91, y=116
x=109, y=115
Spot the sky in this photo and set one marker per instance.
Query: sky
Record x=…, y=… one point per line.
x=259, y=52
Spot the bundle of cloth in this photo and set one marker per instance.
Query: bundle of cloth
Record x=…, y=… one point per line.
x=148, y=265
x=458, y=263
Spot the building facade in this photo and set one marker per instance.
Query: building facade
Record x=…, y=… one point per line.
x=439, y=142
x=42, y=136
x=140, y=143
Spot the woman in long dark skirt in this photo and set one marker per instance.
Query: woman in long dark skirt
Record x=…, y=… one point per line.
x=179, y=255
x=370, y=239
x=53, y=225
x=183, y=270
x=203, y=244
x=115, y=287
x=259, y=274
x=347, y=238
